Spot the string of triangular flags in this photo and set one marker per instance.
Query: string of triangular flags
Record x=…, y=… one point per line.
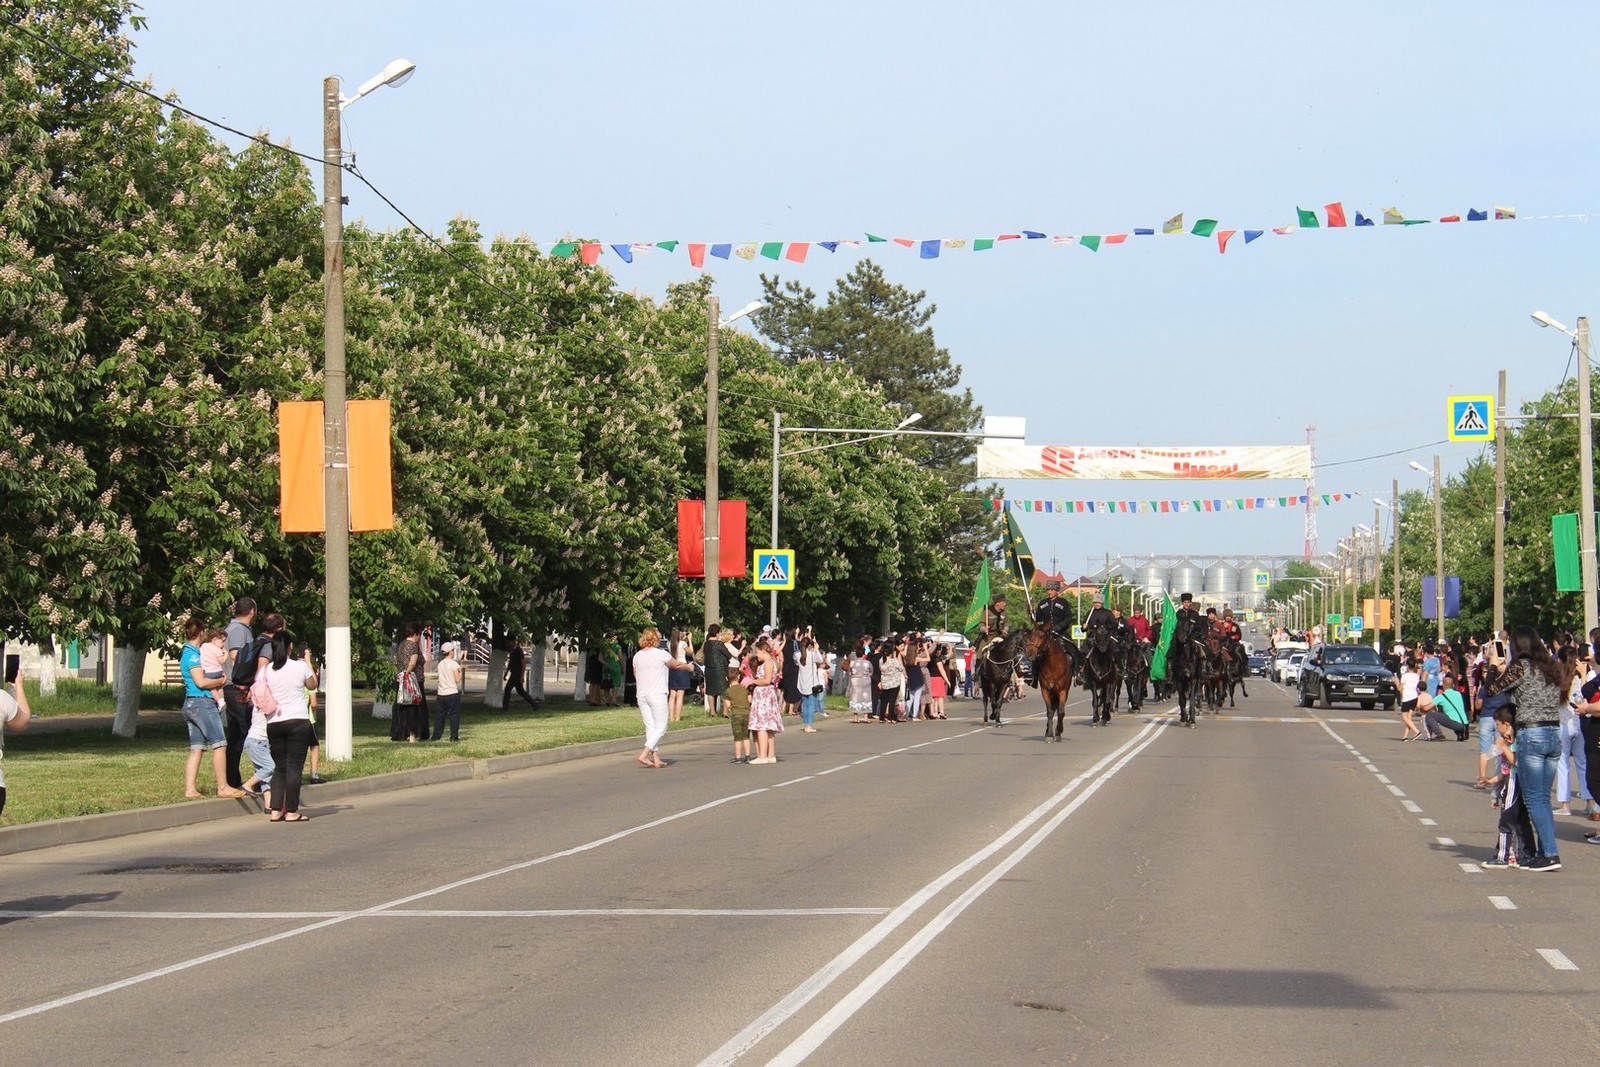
x=1334, y=215
x=1163, y=507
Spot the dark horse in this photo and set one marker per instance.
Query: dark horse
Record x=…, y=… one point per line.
x=1053, y=668
x=996, y=666
x=1186, y=667
x=1136, y=672
x=1102, y=672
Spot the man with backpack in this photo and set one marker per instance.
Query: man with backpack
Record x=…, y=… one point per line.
x=239, y=646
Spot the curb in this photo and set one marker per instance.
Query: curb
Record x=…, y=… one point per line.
x=105, y=825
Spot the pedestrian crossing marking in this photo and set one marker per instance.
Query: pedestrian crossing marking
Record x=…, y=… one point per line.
x=1472, y=418
x=773, y=568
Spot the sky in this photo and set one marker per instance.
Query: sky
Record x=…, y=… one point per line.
x=718, y=121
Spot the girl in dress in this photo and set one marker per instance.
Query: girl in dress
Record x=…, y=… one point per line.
x=766, y=703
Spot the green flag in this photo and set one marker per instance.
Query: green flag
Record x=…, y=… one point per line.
x=1204, y=228
x=1091, y=242
x=980, y=600
x=1564, y=537
x=1021, y=554
x=1308, y=219
x=1169, y=624
x=1105, y=592
x=982, y=244
x=772, y=249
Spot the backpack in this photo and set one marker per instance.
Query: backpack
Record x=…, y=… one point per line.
x=261, y=697
x=244, y=665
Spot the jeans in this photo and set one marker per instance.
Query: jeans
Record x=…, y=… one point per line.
x=810, y=704
x=449, y=704
x=1486, y=735
x=289, y=741
x=1572, y=748
x=914, y=702
x=205, y=725
x=1538, y=752
x=260, y=753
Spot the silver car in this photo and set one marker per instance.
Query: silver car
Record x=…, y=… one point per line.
x=1291, y=670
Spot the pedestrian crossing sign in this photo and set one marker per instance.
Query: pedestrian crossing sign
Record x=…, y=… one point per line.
x=1472, y=418
x=1079, y=633
x=773, y=569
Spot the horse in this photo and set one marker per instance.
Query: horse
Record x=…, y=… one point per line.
x=1185, y=669
x=996, y=665
x=1236, y=669
x=1102, y=672
x=1053, y=669
x=1136, y=672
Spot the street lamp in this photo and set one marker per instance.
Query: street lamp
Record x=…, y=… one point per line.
x=336, y=463
x=778, y=428
x=1586, y=538
x=711, y=547
x=1438, y=546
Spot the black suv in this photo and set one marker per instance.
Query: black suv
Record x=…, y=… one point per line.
x=1348, y=673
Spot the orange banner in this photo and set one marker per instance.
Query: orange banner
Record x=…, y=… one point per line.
x=371, y=478
x=300, y=489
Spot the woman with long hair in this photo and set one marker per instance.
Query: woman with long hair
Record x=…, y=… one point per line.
x=766, y=702
x=289, y=733
x=200, y=715
x=410, y=722
x=679, y=680
x=1537, y=685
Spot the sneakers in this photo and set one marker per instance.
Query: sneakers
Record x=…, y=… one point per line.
x=764, y=759
x=1494, y=863
x=1543, y=863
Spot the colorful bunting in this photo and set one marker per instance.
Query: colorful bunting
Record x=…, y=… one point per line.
x=589, y=252
x=1161, y=507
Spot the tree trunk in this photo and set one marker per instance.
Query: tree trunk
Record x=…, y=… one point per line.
x=494, y=689
x=47, y=668
x=580, y=671
x=127, y=684
x=536, y=672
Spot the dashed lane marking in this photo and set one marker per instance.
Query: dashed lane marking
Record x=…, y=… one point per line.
x=1557, y=959
x=1471, y=868
x=1503, y=903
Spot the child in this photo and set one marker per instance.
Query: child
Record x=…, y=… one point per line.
x=1515, y=842
x=259, y=750
x=213, y=659
x=736, y=702
x=1410, y=685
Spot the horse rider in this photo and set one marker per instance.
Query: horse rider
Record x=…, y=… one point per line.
x=1054, y=613
x=1099, y=616
x=994, y=630
x=1120, y=628
x=1139, y=625
x=1233, y=637
x=1190, y=624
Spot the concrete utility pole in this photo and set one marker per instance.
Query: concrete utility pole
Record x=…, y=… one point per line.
x=1438, y=552
x=336, y=666
x=1395, y=500
x=1500, y=510
x=712, y=545
x=1586, y=536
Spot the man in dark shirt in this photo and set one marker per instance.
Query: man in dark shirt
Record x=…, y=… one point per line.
x=717, y=658
x=1053, y=612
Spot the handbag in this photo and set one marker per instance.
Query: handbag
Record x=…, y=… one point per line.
x=406, y=689
x=261, y=697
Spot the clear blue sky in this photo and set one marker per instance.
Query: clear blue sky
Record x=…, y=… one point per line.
x=721, y=121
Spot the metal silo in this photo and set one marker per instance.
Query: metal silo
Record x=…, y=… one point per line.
x=1186, y=577
x=1222, y=581
x=1151, y=576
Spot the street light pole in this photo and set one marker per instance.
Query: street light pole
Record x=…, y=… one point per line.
x=337, y=662
x=711, y=547
x=777, y=429
x=1586, y=534
x=1500, y=512
x=1395, y=515
x=1438, y=553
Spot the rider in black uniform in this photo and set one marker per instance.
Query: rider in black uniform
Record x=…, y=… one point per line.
x=1054, y=612
x=1190, y=622
x=1099, y=616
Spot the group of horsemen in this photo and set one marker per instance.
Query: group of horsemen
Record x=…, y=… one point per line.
x=1053, y=613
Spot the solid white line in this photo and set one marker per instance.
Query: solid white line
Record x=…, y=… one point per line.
x=1412, y=806
x=1446, y=842
x=747, y=1038
x=426, y=913
x=830, y=770
x=1470, y=868
x=1557, y=959
x=858, y=997
x=793, y=781
x=1503, y=903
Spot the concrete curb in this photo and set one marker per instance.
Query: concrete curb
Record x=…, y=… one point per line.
x=84, y=828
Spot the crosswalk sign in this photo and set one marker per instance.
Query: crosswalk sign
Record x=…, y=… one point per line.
x=1472, y=418
x=773, y=568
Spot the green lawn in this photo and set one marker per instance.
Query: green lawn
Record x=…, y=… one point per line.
x=81, y=772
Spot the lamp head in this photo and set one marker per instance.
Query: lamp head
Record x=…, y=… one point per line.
x=397, y=73
x=1545, y=320
x=915, y=416
x=1414, y=465
x=749, y=309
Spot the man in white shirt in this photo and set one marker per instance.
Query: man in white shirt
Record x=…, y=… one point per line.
x=14, y=716
x=449, y=693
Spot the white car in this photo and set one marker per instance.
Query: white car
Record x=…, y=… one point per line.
x=1290, y=671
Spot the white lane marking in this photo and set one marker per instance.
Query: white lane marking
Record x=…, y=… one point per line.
x=747, y=1038
x=1502, y=903
x=857, y=998
x=1471, y=868
x=1384, y=778
x=867, y=759
x=1397, y=791
x=1364, y=760
x=830, y=770
x=1429, y=822
x=1446, y=842
x=1374, y=768
x=1412, y=806
x=793, y=781
x=443, y=913
x=1557, y=959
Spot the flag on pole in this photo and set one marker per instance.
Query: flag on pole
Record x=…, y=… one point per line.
x=1169, y=625
x=1105, y=591
x=1021, y=554
x=980, y=600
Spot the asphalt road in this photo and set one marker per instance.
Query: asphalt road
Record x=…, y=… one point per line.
x=1275, y=887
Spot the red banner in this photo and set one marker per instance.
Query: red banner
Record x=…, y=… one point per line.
x=732, y=555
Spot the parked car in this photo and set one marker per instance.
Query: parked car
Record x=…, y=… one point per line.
x=1347, y=674
x=1289, y=669
x=1257, y=664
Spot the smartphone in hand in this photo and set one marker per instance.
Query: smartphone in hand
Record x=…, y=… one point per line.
x=13, y=668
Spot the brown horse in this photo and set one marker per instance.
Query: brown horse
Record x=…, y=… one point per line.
x=1053, y=670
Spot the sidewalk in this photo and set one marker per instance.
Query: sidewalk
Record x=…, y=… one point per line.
x=83, y=828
